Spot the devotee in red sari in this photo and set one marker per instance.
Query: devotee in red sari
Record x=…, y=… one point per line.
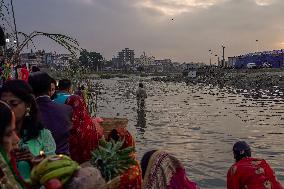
x=131, y=178
x=24, y=73
x=164, y=171
x=249, y=172
x=85, y=133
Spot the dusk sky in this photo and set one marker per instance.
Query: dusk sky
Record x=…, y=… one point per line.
x=182, y=30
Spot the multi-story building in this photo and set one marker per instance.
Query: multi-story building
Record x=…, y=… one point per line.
x=125, y=57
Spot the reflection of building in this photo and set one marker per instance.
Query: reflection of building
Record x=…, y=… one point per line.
x=273, y=58
x=125, y=57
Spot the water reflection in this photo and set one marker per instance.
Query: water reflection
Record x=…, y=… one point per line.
x=141, y=121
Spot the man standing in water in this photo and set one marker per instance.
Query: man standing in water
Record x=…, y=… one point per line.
x=141, y=95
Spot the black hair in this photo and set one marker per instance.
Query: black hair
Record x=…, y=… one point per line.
x=40, y=83
x=241, y=150
x=23, y=91
x=114, y=135
x=53, y=81
x=35, y=69
x=141, y=85
x=5, y=119
x=55, y=93
x=64, y=84
x=145, y=160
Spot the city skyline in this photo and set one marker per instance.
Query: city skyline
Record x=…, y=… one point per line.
x=182, y=30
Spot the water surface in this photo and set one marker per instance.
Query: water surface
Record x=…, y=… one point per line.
x=199, y=124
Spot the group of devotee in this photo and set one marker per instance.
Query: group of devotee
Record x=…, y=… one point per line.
x=38, y=116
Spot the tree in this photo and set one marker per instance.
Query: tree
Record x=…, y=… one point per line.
x=96, y=60
x=10, y=53
x=84, y=58
x=67, y=42
x=91, y=60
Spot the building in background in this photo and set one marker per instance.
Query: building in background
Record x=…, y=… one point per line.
x=126, y=58
x=274, y=59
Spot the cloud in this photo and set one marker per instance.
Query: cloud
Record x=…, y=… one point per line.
x=264, y=2
x=176, y=7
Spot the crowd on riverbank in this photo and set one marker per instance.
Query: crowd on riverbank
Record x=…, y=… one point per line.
x=38, y=116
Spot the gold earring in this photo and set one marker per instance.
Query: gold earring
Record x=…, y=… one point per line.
x=28, y=112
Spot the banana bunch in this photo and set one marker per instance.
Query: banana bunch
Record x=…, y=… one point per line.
x=111, y=160
x=57, y=166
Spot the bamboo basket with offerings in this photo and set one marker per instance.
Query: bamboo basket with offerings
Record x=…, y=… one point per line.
x=113, y=123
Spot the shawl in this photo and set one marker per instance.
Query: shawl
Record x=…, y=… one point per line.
x=166, y=172
x=8, y=178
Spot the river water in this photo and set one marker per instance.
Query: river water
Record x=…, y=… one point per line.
x=199, y=124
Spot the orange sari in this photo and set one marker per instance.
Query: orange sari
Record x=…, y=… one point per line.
x=131, y=178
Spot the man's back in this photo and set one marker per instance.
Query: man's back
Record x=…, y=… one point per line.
x=141, y=93
x=57, y=118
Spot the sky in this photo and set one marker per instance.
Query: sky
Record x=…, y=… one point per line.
x=182, y=30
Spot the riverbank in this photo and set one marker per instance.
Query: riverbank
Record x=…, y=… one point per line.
x=253, y=80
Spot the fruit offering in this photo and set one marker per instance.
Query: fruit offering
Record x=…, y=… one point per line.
x=59, y=167
x=111, y=159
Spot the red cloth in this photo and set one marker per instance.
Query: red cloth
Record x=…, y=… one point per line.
x=25, y=74
x=84, y=133
x=252, y=173
x=180, y=180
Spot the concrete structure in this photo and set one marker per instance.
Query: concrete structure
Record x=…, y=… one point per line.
x=126, y=57
x=41, y=58
x=273, y=58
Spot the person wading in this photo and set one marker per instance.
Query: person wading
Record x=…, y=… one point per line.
x=141, y=95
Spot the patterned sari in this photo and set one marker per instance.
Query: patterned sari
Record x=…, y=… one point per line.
x=131, y=178
x=85, y=133
x=8, y=177
x=166, y=172
x=252, y=173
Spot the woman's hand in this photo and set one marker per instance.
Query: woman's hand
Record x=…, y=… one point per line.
x=23, y=155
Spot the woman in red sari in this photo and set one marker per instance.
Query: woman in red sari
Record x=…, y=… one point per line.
x=85, y=133
x=250, y=173
x=131, y=178
x=164, y=171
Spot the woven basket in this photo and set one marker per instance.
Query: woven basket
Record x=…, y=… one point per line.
x=112, y=184
x=113, y=123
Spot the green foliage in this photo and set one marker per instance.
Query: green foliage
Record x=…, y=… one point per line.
x=9, y=53
x=111, y=160
x=91, y=60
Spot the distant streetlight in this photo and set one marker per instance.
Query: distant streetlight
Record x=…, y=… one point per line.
x=223, y=60
x=217, y=59
x=282, y=58
x=210, y=53
x=15, y=25
x=256, y=45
